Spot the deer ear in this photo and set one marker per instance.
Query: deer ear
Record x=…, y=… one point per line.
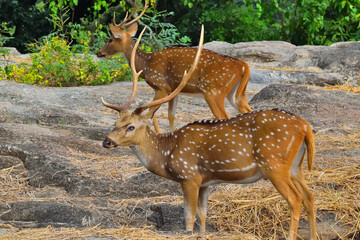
x=133, y=29
x=115, y=31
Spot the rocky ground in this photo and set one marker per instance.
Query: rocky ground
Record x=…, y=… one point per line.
x=55, y=172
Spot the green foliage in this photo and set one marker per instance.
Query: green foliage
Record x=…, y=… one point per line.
x=234, y=24
x=311, y=21
x=29, y=18
x=341, y=22
x=9, y=32
x=56, y=5
x=297, y=21
x=230, y=21
x=162, y=34
x=58, y=65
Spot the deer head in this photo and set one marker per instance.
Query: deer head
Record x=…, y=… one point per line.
x=121, y=36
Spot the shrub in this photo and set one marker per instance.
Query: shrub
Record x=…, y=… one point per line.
x=58, y=65
x=234, y=24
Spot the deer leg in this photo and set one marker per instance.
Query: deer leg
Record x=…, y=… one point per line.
x=172, y=112
x=216, y=104
x=191, y=193
x=202, y=206
x=156, y=125
x=287, y=189
x=243, y=105
x=308, y=201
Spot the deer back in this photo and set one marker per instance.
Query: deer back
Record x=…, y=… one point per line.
x=214, y=71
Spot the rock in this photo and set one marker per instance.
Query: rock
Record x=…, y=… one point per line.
x=256, y=54
x=323, y=109
x=8, y=161
x=340, y=59
x=44, y=213
x=265, y=76
x=168, y=217
x=12, y=51
x=355, y=45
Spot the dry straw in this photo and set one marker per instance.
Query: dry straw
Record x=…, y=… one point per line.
x=346, y=87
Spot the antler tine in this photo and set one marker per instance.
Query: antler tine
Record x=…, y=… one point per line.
x=133, y=70
x=116, y=108
x=114, y=21
x=183, y=82
x=125, y=23
x=135, y=79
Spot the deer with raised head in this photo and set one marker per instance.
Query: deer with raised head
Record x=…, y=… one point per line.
x=216, y=77
x=267, y=144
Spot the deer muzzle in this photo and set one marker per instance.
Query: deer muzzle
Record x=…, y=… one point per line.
x=100, y=54
x=108, y=143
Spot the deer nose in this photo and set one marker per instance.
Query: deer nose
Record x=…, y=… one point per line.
x=100, y=54
x=108, y=143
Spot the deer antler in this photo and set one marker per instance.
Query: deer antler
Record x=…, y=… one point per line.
x=185, y=79
x=125, y=22
x=135, y=79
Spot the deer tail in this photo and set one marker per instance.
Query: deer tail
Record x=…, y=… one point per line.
x=310, y=145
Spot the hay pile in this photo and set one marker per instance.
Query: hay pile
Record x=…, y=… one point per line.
x=13, y=184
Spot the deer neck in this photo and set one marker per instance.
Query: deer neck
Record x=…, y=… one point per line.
x=154, y=152
x=142, y=58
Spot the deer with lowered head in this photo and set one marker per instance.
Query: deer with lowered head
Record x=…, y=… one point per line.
x=264, y=144
x=215, y=78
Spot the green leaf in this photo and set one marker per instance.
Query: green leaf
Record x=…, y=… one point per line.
x=343, y=3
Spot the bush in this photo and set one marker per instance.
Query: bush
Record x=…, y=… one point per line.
x=235, y=24
x=58, y=65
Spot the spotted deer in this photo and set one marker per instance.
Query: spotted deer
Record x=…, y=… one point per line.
x=264, y=144
x=216, y=77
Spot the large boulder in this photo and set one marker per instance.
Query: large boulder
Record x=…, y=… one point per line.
x=322, y=108
x=340, y=61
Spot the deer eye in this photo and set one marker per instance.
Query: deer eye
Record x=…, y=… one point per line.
x=110, y=40
x=131, y=128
